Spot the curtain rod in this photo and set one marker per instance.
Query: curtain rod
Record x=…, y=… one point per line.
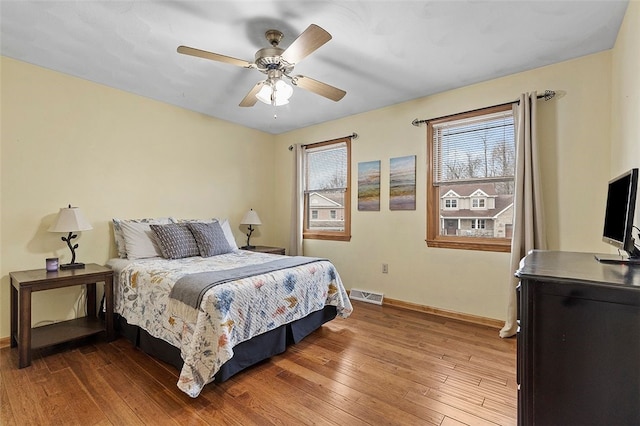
x=548, y=94
x=354, y=135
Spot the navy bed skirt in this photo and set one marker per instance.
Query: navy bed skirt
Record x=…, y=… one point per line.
x=246, y=354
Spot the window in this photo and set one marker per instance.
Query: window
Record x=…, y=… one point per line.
x=327, y=168
x=477, y=203
x=470, y=154
x=478, y=224
x=450, y=203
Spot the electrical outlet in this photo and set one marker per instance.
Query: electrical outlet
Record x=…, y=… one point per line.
x=385, y=268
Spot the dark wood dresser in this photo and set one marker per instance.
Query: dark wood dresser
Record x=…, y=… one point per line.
x=578, y=341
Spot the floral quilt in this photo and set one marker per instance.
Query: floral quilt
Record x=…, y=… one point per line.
x=230, y=313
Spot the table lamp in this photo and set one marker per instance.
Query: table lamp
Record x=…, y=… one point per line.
x=70, y=219
x=250, y=218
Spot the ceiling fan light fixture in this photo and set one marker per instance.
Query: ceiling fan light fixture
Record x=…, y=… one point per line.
x=283, y=90
x=277, y=94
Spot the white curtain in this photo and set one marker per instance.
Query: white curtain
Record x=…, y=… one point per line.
x=297, y=202
x=528, y=224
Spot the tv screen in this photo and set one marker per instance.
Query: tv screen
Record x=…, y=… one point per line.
x=621, y=203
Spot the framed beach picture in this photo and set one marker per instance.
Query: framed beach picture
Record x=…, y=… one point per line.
x=369, y=186
x=402, y=183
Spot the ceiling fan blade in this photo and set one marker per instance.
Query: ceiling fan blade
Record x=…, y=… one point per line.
x=306, y=43
x=214, y=56
x=250, y=100
x=318, y=87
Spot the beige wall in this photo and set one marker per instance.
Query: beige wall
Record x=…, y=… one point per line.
x=625, y=105
x=574, y=134
x=114, y=154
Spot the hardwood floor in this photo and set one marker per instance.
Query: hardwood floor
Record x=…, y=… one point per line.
x=383, y=365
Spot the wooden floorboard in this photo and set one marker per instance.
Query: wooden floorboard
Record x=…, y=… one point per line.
x=383, y=365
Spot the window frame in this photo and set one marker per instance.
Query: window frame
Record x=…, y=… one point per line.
x=345, y=235
x=434, y=239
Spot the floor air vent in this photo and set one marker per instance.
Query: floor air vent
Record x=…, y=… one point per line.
x=366, y=296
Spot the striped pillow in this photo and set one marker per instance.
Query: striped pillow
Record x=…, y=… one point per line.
x=175, y=240
x=210, y=238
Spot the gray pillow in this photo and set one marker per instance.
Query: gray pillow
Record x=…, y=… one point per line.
x=210, y=238
x=175, y=240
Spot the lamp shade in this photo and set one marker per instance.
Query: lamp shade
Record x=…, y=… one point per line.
x=70, y=219
x=251, y=218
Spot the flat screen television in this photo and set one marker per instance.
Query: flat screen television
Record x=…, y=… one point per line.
x=618, y=217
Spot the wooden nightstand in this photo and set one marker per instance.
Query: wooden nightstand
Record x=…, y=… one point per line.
x=266, y=249
x=23, y=283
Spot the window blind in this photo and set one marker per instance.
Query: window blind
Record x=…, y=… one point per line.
x=326, y=168
x=473, y=149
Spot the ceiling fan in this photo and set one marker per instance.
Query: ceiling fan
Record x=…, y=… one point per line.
x=278, y=63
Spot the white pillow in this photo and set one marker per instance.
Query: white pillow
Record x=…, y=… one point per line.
x=174, y=220
x=226, y=228
x=139, y=240
x=119, y=236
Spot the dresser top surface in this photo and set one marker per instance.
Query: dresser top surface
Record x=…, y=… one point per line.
x=582, y=267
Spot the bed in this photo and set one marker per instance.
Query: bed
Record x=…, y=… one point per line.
x=213, y=316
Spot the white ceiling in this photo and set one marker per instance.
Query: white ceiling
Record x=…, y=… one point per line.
x=382, y=52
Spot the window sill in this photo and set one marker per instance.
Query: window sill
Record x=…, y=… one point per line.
x=502, y=245
x=324, y=236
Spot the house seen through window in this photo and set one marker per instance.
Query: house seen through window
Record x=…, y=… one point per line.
x=470, y=180
x=327, y=192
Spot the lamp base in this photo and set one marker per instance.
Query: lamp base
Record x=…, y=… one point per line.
x=72, y=266
x=248, y=247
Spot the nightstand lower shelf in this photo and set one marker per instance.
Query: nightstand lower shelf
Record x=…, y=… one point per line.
x=65, y=331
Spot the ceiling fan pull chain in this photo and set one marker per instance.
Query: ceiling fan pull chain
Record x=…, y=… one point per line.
x=273, y=102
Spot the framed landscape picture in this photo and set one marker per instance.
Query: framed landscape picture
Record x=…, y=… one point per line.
x=369, y=186
x=402, y=183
